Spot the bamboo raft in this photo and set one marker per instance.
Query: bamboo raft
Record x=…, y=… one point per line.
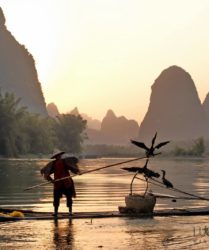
x=123, y=213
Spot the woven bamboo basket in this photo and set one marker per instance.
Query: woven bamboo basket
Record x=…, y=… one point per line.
x=143, y=204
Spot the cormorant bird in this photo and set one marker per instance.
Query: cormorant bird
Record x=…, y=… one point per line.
x=150, y=151
x=166, y=182
x=147, y=172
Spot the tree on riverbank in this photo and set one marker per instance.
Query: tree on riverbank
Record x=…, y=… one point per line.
x=10, y=115
x=70, y=131
x=197, y=149
x=24, y=133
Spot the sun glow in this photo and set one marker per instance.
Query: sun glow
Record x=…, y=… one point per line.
x=98, y=55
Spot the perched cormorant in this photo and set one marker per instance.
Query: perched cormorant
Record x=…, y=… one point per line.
x=166, y=182
x=150, y=151
x=147, y=172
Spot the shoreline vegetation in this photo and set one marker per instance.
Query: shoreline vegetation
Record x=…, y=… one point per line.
x=196, y=149
x=24, y=134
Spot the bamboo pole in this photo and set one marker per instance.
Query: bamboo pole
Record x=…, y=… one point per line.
x=85, y=172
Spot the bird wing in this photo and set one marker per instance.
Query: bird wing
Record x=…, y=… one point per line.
x=134, y=169
x=153, y=139
x=149, y=173
x=162, y=144
x=140, y=144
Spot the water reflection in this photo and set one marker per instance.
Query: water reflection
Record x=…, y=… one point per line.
x=110, y=233
x=103, y=190
x=166, y=233
x=140, y=233
x=63, y=237
x=15, y=175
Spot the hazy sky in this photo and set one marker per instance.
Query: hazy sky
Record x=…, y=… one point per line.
x=102, y=54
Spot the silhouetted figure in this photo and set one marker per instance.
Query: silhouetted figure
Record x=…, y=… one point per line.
x=60, y=168
x=166, y=182
x=147, y=172
x=150, y=151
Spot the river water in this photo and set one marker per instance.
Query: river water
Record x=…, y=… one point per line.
x=104, y=191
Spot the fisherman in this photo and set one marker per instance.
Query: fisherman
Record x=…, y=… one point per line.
x=60, y=168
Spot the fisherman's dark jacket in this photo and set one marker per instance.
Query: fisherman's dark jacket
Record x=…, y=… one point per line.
x=60, y=168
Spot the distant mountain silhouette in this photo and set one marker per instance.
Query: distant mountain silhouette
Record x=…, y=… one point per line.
x=206, y=106
x=114, y=130
x=18, y=73
x=52, y=110
x=91, y=123
x=175, y=111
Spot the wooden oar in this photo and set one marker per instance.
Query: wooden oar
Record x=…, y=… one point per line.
x=86, y=172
